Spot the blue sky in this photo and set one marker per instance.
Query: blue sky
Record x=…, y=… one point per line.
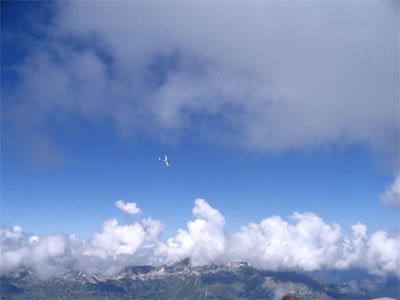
x=266, y=117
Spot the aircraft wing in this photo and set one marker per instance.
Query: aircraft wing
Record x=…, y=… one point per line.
x=167, y=163
x=166, y=158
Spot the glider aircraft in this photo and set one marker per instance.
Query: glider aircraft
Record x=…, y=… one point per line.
x=165, y=160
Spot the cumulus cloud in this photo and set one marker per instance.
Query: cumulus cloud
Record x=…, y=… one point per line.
x=204, y=241
x=274, y=243
x=391, y=196
x=304, y=242
x=129, y=207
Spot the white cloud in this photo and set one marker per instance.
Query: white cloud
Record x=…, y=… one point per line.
x=309, y=245
x=129, y=207
x=382, y=255
x=204, y=241
x=391, y=196
x=305, y=242
x=116, y=239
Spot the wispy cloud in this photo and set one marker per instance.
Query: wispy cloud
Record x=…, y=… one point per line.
x=305, y=242
x=391, y=196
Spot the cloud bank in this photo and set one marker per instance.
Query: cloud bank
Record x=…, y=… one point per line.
x=265, y=76
x=305, y=242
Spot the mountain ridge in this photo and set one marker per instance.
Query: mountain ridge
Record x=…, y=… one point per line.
x=237, y=280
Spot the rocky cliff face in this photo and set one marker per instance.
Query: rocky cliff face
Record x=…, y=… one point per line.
x=178, y=281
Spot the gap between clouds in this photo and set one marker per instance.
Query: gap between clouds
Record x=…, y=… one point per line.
x=305, y=242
